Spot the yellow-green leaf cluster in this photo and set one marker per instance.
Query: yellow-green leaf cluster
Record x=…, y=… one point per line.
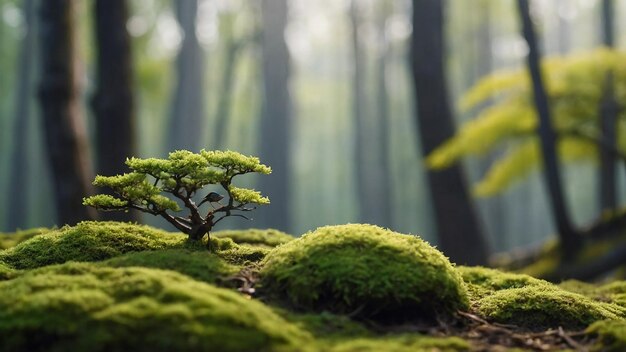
x=245, y=196
x=575, y=85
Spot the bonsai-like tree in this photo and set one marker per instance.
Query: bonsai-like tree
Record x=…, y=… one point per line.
x=182, y=175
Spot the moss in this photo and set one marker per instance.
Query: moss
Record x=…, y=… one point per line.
x=611, y=335
x=6, y=272
x=325, y=324
x=88, y=241
x=363, y=270
x=8, y=240
x=400, y=343
x=538, y=307
x=243, y=255
x=264, y=237
x=481, y=281
x=84, y=307
x=199, y=265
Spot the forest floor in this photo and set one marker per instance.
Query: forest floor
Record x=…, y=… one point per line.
x=344, y=288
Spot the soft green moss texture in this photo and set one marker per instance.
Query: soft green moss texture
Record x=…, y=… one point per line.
x=87, y=241
x=262, y=237
x=107, y=286
x=79, y=306
x=8, y=240
x=363, y=270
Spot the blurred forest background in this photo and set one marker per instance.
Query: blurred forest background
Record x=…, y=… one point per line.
x=323, y=91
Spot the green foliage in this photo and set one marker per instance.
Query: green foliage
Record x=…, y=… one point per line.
x=364, y=270
x=611, y=335
x=6, y=272
x=545, y=306
x=84, y=307
x=8, y=240
x=401, y=343
x=482, y=282
x=200, y=265
x=575, y=86
x=243, y=254
x=265, y=237
x=87, y=241
x=181, y=176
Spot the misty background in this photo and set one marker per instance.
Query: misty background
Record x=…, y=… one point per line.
x=321, y=90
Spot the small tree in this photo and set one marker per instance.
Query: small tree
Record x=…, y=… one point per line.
x=183, y=174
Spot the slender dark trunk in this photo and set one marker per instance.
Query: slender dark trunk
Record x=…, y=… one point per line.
x=364, y=206
x=608, y=117
x=384, y=166
x=64, y=127
x=19, y=169
x=113, y=101
x=188, y=108
x=458, y=229
x=222, y=114
x=570, y=240
x=276, y=116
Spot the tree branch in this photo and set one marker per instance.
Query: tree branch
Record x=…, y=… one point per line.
x=599, y=141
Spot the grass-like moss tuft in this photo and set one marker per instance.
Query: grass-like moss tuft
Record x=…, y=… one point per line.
x=400, y=343
x=365, y=271
x=611, y=335
x=88, y=241
x=87, y=307
x=482, y=282
x=540, y=307
x=8, y=240
x=259, y=237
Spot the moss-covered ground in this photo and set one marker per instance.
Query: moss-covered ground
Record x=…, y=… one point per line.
x=106, y=286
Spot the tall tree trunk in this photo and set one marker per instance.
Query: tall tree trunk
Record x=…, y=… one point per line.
x=358, y=103
x=608, y=118
x=276, y=116
x=113, y=101
x=570, y=240
x=18, y=209
x=64, y=127
x=231, y=55
x=382, y=168
x=458, y=229
x=188, y=108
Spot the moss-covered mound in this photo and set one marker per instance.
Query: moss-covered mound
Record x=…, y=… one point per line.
x=88, y=241
x=5, y=272
x=538, y=307
x=8, y=240
x=262, y=237
x=610, y=334
x=484, y=281
x=84, y=307
x=365, y=271
x=200, y=265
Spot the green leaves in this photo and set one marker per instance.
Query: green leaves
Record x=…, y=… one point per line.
x=245, y=196
x=104, y=201
x=181, y=176
x=575, y=87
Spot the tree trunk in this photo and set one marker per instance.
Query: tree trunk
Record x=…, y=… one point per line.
x=570, y=240
x=364, y=206
x=383, y=167
x=113, y=101
x=608, y=117
x=276, y=116
x=19, y=169
x=458, y=229
x=188, y=108
x=64, y=128
x=231, y=55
